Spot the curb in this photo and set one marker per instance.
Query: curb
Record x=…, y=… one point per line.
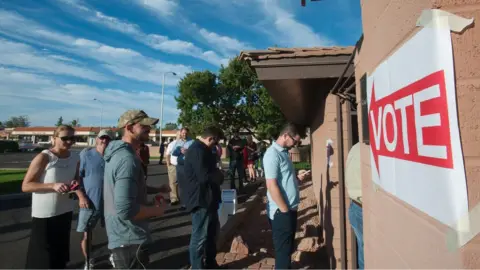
x=227, y=231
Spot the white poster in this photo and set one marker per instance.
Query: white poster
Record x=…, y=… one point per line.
x=416, y=153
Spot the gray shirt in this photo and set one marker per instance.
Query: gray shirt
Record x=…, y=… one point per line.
x=124, y=192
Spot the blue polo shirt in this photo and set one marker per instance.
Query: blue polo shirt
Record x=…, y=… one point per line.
x=92, y=168
x=278, y=165
x=179, y=144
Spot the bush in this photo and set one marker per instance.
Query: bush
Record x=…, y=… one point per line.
x=9, y=146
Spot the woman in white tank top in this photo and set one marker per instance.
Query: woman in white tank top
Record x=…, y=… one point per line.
x=49, y=178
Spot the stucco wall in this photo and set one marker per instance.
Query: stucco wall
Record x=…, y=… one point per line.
x=397, y=235
x=325, y=180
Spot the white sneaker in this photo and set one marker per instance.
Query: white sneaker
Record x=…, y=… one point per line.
x=111, y=260
x=89, y=265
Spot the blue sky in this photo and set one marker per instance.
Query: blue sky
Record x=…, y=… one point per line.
x=56, y=56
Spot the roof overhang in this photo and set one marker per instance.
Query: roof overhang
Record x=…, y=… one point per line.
x=299, y=79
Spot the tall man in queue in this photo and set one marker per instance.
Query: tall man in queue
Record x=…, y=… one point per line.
x=125, y=194
x=91, y=172
x=179, y=151
x=202, y=197
x=283, y=194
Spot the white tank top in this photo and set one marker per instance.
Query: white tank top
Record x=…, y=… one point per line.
x=58, y=170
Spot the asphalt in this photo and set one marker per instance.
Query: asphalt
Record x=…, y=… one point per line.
x=20, y=160
x=170, y=233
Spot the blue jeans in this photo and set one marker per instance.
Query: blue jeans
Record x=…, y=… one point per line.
x=203, y=240
x=355, y=215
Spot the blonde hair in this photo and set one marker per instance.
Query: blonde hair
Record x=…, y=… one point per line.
x=60, y=129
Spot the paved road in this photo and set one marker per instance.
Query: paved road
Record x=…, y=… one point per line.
x=171, y=233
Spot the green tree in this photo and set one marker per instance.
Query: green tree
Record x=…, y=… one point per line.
x=59, y=121
x=1, y=124
x=17, y=121
x=235, y=99
x=257, y=112
x=75, y=123
x=170, y=126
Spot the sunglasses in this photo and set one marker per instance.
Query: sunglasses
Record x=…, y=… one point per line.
x=293, y=139
x=68, y=138
x=105, y=138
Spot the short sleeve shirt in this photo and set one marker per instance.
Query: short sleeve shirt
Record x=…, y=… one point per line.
x=278, y=166
x=92, y=168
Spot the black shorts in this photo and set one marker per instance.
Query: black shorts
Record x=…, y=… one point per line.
x=49, y=246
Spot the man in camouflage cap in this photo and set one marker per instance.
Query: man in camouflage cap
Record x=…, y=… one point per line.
x=125, y=194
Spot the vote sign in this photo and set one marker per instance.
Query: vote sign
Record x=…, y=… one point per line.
x=415, y=144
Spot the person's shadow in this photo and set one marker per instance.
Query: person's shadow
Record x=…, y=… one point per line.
x=326, y=215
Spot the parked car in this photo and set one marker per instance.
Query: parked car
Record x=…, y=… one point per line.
x=9, y=146
x=31, y=147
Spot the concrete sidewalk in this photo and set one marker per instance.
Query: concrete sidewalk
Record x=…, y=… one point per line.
x=252, y=248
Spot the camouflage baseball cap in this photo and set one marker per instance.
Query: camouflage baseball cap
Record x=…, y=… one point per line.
x=134, y=117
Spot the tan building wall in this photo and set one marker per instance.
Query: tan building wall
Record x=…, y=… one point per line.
x=395, y=234
x=326, y=180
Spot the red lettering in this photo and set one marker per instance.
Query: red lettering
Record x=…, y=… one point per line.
x=412, y=123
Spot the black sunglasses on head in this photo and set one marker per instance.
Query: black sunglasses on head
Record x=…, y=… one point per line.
x=68, y=138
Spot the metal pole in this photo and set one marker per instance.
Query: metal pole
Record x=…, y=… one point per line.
x=101, y=117
x=161, y=109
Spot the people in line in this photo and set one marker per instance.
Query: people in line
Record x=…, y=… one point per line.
x=125, y=194
x=179, y=151
x=283, y=194
x=172, y=171
x=202, y=196
x=161, y=150
x=353, y=183
x=91, y=173
x=236, y=164
x=250, y=155
x=50, y=177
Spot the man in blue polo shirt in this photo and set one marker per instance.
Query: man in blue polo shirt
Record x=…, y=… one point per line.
x=283, y=194
x=91, y=202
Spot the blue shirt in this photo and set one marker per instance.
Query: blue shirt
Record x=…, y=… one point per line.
x=278, y=165
x=92, y=167
x=179, y=144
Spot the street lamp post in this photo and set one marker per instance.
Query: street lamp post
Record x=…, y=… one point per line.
x=161, y=105
x=101, y=112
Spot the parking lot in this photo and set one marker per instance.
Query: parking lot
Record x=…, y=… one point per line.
x=20, y=160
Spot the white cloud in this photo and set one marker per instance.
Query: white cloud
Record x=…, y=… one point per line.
x=225, y=44
x=31, y=90
x=23, y=56
x=155, y=41
x=289, y=31
x=162, y=7
x=114, y=59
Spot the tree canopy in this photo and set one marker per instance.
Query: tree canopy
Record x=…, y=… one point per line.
x=233, y=100
x=170, y=126
x=59, y=122
x=17, y=121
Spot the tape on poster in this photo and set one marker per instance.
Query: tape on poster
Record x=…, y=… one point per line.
x=437, y=18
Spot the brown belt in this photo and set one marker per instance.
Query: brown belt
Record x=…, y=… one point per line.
x=357, y=203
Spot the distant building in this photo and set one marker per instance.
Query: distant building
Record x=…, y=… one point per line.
x=85, y=135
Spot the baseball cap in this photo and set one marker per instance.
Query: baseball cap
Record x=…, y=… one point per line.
x=134, y=117
x=105, y=132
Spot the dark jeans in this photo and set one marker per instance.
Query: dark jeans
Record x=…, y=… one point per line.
x=131, y=257
x=203, y=240
x=49, y=246
x=355, y=215
x=236, y=165
x=284, y=226
x=160, y=161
